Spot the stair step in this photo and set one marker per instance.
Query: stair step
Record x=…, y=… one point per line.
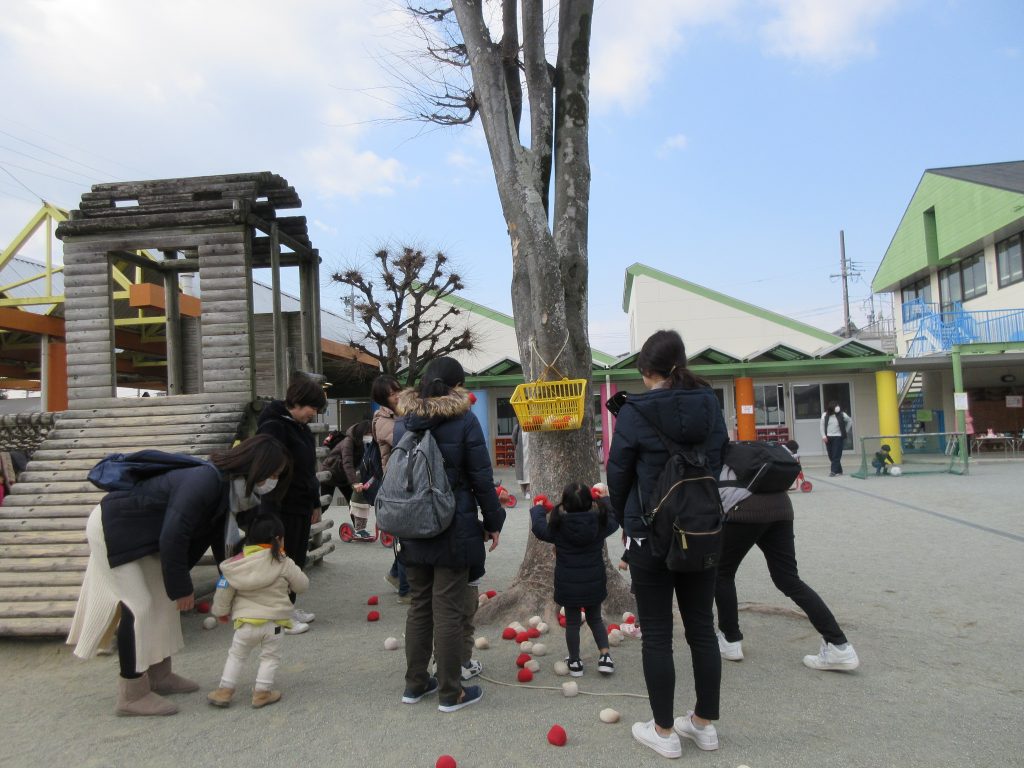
x=35, y=579
x=16, y=507
x=38, y=609
x=17, y=538
x=45, y=525
x=11, y=552
x=45, y=563
x=34, y=593
x=22, y=627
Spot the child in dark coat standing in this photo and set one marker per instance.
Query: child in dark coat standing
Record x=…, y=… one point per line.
x=578, y=527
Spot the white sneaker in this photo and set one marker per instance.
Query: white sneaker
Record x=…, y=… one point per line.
x=666, y=746
x=730, y=651
x=706, y=738
x=297, y=628
x=304, y=616
x=830, y=657
x=471, y=669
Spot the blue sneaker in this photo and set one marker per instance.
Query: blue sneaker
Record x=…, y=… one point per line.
x=411, y=697
x=470, y=695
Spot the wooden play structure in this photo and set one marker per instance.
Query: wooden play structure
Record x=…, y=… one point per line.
x=211, y=355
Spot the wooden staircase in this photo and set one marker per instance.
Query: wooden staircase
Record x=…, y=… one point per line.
x=43, y=549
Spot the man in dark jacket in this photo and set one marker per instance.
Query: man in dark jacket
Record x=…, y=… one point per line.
x=438, y=568
x=288, y=421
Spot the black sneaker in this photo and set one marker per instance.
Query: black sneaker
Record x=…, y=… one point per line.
x=412, y=697
x=575, y=667
x=470, y=695
x=605, y=665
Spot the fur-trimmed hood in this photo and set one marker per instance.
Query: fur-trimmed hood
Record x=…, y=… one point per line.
x=432, y=409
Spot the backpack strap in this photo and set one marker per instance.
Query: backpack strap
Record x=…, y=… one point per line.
x=691, y=452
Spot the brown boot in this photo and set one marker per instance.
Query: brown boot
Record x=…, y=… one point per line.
x=221, y=697
x=163, y=681
x=262, y=698
x=135, y=698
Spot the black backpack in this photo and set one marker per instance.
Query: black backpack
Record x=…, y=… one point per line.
x=121, y=472
x=760, y=467
x=684, y=512
x=371, y=470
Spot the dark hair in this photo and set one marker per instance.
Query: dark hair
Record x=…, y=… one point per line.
x=832, y=405
x=792, y=445
x=383, y=387
x=576, y=497
x=442, y=375
x=886, y=448
x=334, y=437
x=266, y=529
x=257, y=458
x=665, y=354
x=302, y=390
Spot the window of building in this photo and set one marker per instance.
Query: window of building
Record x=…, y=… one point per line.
x=1008, y=261
x=506, y=416
x=769, y=404
x=963, y=281
x=912, y=297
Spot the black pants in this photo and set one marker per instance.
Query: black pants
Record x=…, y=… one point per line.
x=834, y=447
x=777, y=543
x=694, y=593
x=126, y=644
x=296, y=540
x=572, y=628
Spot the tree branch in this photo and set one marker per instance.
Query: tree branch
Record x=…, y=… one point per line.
x=541, y=86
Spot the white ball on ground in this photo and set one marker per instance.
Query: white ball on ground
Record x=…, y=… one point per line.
x=482, y=599
x=534, y=621
x=626, y=617
x=609, y=716
x=543, y=628
x=391, y=643
x=570, y=689
x=539, y=649
x=532, y=665
x=561, y=611
x=526, y=646
x=614, y=637
x=210, y=622
x=517, y=626
x=895, y=471
x=561, y=668
x=482, y=643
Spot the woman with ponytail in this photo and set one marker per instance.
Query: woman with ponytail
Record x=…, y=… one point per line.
x=682, y=406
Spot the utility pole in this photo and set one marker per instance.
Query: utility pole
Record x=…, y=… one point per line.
x=844, y=275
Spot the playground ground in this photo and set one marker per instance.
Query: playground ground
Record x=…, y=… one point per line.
x=925, y=574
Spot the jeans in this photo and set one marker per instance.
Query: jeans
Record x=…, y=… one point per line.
x=834, y=448
x=694, y=593
x=398, y=571
x=572, y=628
x=249, y=637
x=777, y=544
x=436, y=622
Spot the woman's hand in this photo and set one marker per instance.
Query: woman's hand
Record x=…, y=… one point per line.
x=493, y=538
x=623, y=565
x=317, y=512
x=359, y=487
x=187, y=603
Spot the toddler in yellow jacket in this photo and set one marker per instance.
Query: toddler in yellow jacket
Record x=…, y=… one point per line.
x=254, y=589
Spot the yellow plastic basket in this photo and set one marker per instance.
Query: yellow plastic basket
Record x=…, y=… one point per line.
x=547, y=406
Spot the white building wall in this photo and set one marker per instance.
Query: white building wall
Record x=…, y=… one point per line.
x=494, y=340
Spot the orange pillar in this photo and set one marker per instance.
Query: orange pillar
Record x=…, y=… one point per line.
x=745, y=420
x=56, y=376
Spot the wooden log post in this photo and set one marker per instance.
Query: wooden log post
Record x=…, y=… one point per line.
x=89, y=313
x=279, y=333
x=228, y=315
x=172, y=305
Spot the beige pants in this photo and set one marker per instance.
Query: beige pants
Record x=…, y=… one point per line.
x=249, y=637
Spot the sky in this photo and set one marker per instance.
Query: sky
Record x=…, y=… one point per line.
x=731, y=140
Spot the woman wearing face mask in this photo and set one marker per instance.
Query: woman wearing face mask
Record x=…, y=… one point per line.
x=288, y=421
x=143, y=543
x=834, y=426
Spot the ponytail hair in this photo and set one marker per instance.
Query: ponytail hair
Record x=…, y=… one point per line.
x=665, y=354
x=442, y=375
x=576, y=497
x=266, y=529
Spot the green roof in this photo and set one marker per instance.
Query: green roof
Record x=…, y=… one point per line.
x=950, y=215
x=721, y=298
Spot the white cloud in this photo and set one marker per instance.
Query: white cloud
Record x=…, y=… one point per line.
x=460, y=159
x=673, y=144
x=823, y=31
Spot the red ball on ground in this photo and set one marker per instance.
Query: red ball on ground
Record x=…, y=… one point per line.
x=557, y=735
x=532, y=632
x=373, y=616
x=373, y=600
x=445, y=761
x=521, y=659
x=203, y=606
x=631, y=619
x=491, y=593
x=561, y=621
x=508, y=634
x=522, y=637
x=524, y=676
x=613, y=626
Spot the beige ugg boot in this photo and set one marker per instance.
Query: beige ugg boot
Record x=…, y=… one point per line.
x=221, y=697
x=163, y=681
x=134, y=698
x=262, y=698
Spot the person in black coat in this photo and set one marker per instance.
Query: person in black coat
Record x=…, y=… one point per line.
x=578, y=527
x=685, y=408
x=299, y=508
x=143, y=543
x=438, y=568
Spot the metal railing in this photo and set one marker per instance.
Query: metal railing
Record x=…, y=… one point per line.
x=938, y=330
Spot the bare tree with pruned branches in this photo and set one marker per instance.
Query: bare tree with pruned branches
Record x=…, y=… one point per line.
x=400, y=304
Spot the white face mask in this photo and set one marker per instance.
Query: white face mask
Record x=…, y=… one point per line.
x=838, y=409
x=266, y=486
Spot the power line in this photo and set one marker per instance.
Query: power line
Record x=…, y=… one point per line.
x=40, y=173
x=47, y=162
x=20, y=182
x=65, y=157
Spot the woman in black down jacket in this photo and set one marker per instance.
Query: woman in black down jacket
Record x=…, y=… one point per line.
x=578, y=527
x=685, y=408
x=438, y=568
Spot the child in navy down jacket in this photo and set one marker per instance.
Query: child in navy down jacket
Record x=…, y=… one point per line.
x=578, y=527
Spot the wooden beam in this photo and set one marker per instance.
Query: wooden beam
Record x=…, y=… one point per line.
x=26, y=384
x=151, y=296
x=30, y=322
x=341, y=351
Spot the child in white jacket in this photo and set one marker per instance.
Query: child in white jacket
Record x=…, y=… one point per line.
x=254, y=589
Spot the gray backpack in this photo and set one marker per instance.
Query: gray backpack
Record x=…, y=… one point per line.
x=415, y=500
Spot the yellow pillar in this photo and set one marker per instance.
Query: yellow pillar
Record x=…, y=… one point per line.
x=889, y=410
x=746, y=424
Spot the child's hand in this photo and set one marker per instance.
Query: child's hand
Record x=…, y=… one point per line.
x=598, y=491
x=623, y=565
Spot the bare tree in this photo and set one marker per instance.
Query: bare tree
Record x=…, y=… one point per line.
x=544, y=188
x=400, y=304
